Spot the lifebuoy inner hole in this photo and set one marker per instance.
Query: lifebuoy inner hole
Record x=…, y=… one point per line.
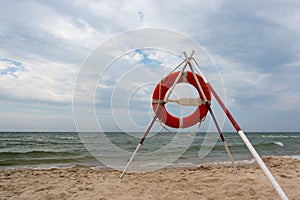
x=182, y=90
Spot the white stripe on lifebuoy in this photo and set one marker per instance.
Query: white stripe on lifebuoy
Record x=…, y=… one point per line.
x=184, y=78
x=180, y=123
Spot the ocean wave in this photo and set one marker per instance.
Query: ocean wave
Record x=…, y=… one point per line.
x=36, y=154
x=279, y=143
x=293, y=156
x=280, y=136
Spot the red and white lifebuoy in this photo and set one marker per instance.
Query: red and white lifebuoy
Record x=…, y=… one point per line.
x=162, y=88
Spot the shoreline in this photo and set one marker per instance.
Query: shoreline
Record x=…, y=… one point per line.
x=203, y=182
x=175, y=165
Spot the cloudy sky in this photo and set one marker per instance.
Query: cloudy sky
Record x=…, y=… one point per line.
x=255, y=44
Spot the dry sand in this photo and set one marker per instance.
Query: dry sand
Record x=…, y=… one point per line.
x=209, y=182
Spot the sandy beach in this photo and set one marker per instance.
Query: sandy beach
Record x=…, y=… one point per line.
x=204, y=182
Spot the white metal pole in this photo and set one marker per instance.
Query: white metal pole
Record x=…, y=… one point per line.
x=263, y=166
x=245, y=139
x=130, y=160
x=213, y=117
x=140, y=144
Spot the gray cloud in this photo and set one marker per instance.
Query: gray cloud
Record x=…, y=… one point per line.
x=241, y=31
x=254, y=43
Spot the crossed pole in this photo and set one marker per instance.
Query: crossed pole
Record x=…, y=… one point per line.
x=166, y=99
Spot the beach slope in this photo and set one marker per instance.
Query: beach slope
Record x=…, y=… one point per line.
x=204, y=182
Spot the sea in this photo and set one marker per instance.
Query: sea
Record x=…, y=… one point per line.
x=44, y=150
